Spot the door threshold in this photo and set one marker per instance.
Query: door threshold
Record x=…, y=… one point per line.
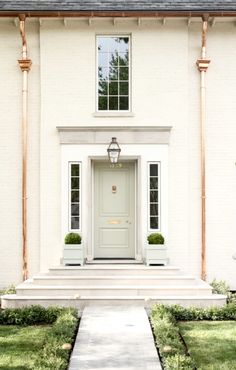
x=111, y=261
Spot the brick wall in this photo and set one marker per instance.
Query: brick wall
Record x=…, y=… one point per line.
x=165, y=91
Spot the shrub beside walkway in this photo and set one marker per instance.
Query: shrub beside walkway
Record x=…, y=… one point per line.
x=114, y=338
x=168, y=325
x=37, y=338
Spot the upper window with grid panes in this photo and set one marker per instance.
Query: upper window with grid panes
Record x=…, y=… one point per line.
x=113, y=69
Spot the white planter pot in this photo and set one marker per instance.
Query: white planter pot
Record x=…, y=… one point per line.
x=73, y=254
x=156, y=254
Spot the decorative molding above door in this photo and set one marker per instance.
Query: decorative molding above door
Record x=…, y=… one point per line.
x=103, y=134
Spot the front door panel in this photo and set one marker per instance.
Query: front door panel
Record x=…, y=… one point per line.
x=114, y=199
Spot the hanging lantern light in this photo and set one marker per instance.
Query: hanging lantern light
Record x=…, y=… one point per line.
x=113, y=151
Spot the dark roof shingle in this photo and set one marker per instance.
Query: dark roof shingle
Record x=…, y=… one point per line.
x=117, y=5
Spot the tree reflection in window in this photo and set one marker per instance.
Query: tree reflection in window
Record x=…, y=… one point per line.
x=113, y=73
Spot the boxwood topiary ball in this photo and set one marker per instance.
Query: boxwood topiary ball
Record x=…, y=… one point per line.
x=73, y=238
x=155, y=238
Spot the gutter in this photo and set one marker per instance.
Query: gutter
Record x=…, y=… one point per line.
x=116, y=13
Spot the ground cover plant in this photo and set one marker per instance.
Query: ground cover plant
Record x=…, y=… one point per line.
x=170, y=328
x=21, y=345
x=37, y=338
x=211, y=343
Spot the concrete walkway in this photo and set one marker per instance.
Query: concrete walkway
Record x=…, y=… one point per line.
x=114, y=338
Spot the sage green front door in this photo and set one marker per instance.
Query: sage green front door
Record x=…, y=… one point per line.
x=114, y=210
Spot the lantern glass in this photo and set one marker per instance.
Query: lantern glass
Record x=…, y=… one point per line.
x=113, y=151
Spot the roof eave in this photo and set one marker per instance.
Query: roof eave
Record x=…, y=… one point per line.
x=116, y=13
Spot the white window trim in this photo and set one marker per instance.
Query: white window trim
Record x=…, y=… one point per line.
x=159, y=197
x=115, y=112
x=69, y=196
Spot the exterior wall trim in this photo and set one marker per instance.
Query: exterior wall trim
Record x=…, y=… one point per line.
x=125, y=135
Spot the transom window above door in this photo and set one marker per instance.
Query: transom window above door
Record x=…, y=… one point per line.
x=113, y=73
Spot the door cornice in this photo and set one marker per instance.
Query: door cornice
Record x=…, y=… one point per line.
x=125, y=135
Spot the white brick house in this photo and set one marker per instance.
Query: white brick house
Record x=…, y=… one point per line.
x=128, y=71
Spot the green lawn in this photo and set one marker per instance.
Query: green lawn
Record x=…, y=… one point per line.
x=19, y=346
x=212, y=344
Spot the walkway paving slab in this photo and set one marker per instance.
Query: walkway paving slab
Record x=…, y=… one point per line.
x=114, y=338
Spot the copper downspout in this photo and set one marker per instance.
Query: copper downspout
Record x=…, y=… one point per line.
x=203, y=64
x=25, y=64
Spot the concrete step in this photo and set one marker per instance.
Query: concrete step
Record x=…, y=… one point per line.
x=14, y=301
x=115, y=280
x=113, y=284
x=29, y=288
x=115, y=270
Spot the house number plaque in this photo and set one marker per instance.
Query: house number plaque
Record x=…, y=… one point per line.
x=116, y=165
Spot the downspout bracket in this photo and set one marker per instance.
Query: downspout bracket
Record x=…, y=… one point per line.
x=25, y=64
x=203, y=64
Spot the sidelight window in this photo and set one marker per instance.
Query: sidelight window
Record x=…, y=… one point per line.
x=154, y=195
x=74, y=196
